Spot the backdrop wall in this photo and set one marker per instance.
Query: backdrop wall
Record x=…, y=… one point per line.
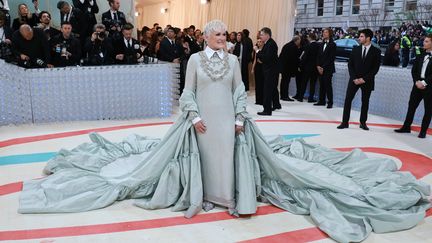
x=239, y=14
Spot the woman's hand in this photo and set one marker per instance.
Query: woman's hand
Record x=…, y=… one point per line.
x=239, y=129
x=200, y=127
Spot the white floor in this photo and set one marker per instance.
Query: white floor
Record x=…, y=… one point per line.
x=122, y=222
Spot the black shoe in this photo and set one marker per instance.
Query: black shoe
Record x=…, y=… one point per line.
x=364, y=126
x=299, y=100
x=296, y=97
x=319, y=104
x=343, y=125
x=422, y=135
x=312, y=101
x=276, y=108
x=263, y=113
x=329, y=106
x=403, y=130
x=287, y=99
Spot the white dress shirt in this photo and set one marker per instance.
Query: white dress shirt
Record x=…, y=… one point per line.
x=426, y=61
x=127, y=42
x=112, y=14
x=367, y=49
x=2, y=35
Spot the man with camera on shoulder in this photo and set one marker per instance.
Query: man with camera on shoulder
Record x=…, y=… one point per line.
x=98, y=49
x=66, y=49
x=127, y=49
x=114, y=20
x=31, y=47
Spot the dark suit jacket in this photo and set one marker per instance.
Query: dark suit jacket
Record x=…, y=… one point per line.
x=108, y=21
x=308, y=61
x=366, y=69
x=89, y=10
x=417, y=67
x=194, y=47
x=130, y=53
x=269, y=57
x=326, y=58
x=37, y=47
x=79, y=22
x=289, y=59
x=247, y=50
x=98, y=52
x=51, y=33
x=168, y=52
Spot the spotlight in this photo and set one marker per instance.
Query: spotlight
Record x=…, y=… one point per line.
x=137, y=14
x=164, y=10
x=204, y=1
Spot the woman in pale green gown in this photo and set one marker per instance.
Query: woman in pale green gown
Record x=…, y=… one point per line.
x=215, y=154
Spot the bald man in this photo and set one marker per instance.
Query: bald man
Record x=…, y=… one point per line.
x=31, y=47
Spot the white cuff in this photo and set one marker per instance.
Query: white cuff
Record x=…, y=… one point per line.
x=82, y=1
x=424, y=83
x=196, y=119
x=91, y=2
x=239, y=123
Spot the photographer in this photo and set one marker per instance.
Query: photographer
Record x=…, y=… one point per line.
x=66, y=48
x=5, y=38
x=30, y=45
x=114, y=19
x=98, y=49
x=127, y=49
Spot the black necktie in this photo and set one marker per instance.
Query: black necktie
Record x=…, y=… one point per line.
x=115, y=16
x=129, y=44
x=364, y=53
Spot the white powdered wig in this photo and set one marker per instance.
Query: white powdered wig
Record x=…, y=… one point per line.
x=214, y=26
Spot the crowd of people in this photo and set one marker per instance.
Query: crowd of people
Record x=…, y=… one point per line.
x=309, y=57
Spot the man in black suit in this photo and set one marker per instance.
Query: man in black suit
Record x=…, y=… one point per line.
x=326, y=68
x=90, y=8
x=5, y=31
x=269, y=58
x=421, y=73
x=31, y=47
x=190, y=39
x=289, y=65
x=77, y=19
x=246, y=57
x=308, y=67
x=127, y=49
x=169, y=50
x=363, y=65
x=66, y=49
x=45, y=25
x=114, y=20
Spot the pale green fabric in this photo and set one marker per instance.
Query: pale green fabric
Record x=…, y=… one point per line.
x=347, y=194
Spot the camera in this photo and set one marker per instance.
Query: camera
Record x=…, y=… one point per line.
x=101, y=35
x=34, y=63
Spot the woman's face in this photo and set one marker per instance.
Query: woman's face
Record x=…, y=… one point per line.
x=427, y=43
x=239, y=37
x=232, y=36
x=397, y=47
x=216, y=40
x=259, y=43
x=23, y=10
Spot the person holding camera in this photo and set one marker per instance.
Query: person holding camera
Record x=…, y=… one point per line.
x=30, y=45
x=127, y=49
x=98, y=49
x=114, y=20
x=66, y=48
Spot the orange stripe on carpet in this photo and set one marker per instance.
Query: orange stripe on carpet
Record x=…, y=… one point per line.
x=126, y=226
x=298, y=236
